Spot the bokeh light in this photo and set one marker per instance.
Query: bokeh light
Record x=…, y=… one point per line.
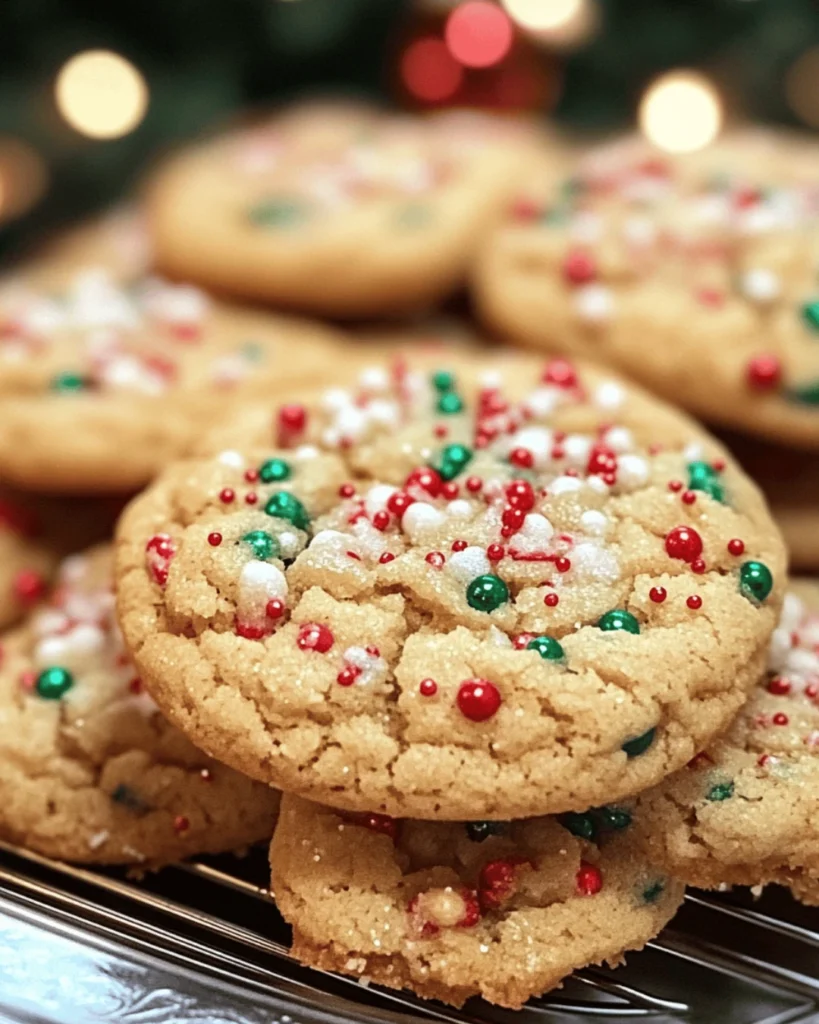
x=429, y=70
x=542, y=15
x=681, y=112
x=101, y=94
x=23, y=177
x=479, y=34
x=802, y=87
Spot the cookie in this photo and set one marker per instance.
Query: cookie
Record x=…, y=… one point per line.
x=345, y=212
x=746, y=810
x=24, y=561
x=699, y=285
x=523, y=592
x=505, y=910
x=789, y=478
x=104, y=383
x=89, y=769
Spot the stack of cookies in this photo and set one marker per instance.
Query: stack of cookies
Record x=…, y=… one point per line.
x=498, y=647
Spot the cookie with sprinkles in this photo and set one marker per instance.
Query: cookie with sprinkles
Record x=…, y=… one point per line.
x=746, y=810
x=501, y=593
x=346, y=212
x=90, y=771
x=505, y=910
x=104, y=382
x=692, y=275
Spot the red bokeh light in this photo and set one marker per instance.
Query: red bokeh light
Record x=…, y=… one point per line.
x=429, y=71
x=479, y=34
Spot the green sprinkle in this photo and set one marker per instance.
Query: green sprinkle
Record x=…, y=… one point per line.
x=653, y=892
x=443, y=380
x=721, y=791
x=450, y=403
x=640, y=744
x=547, y=647
x=68, y=382
x=52, y=683
x=703, y=477
x=617, y=619
x=454, y=460
x=125, y=796
x=274, y=471
x=486, y=593
x=755, y=581
x=263, y=544
x=805, y=394
x=613, y=819
x=276, y=213
x=810, y=314
x=581, y=825
x=479, y=831
x=284, y=505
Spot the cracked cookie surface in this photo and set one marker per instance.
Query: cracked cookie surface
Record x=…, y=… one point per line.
x=505, y=910
x=338, y=210
x=90, y=771
x=103, y=382
x=746, y=811
x=694, y=275
x=517, y=592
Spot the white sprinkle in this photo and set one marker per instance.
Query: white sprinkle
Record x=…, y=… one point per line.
x=609, y=395
x=595, y=523
x=594, y=303
x=620, y=439
x=374, y=378
x=761, y=285
x=591, y=560
x=377, y=497
x=334, y=399
x=543, y=401
x=467, y=564
x=577, y=448
x=632, y=471
x=231, y=458
x=564, y=485
x=460, y=508
x=537, y=440
x=694, y=452
x=421, y=517
x=98, y=838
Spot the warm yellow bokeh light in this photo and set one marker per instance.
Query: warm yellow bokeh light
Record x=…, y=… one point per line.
x=681, y=112
x=101, y=94
x=542, y=15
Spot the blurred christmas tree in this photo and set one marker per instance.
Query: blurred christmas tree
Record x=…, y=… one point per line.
x=194, y=62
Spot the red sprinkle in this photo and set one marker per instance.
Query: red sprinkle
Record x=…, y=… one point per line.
x=589, y=879
x=214, y=539
x=227, y=495
x=251, y=475
x=206, y=775
x=28, y=586
x=764, y=372
x=495, y=552
x=450, y=490
x=427, y=687
x=251, y=498
x=346, y=491
x=474, y=484
x=381, y=520
x=386, y=557
x=778, y=686
x=658, y=594
x=496, y=882
x=478, y=699
x=274, y=609
x=551, y=600
x=314, y=636
x=520, y=495
x=292, y=418
x=689, y=497
x=436, y=559
x=579, y=267
x=780, y=718
x=522, y=458
x=441, y=430
x=563, y=564
x=675, y=485
x=560, y=372
x=684, y=543
x=348, y=675
x=698, y=566
x=425, y=478
x=694, y=601
x=736, y=547
x=459, y=545
x=512, y=518
x=399, y=502
x=181, y=824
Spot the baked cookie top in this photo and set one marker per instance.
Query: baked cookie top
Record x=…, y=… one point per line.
x=522, y=592
x=341, y=210
x=694, y=275
x=746, y=810
x=505, y=910
x=90, y=771
x=104, y=381
x=25, y=562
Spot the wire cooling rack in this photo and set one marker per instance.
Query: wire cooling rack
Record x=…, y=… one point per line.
x=202, y=943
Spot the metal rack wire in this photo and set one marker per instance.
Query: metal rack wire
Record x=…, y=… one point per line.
x=727, y=959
